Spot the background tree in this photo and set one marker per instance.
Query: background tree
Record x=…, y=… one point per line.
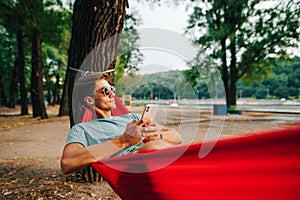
x=55, y=49
x=54, y=72
x=244, y=35
x=52, y=25
x=12, y=18
x=35, y=9
x=129, y=55
x=283, y=82
x=285, y=75
x=21, y=61
x=5, y=66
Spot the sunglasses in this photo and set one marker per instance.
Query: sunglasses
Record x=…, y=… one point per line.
x=107, y=91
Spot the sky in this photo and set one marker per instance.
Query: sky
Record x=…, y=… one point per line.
x=163, y=17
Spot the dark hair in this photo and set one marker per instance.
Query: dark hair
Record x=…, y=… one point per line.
x=85, y=85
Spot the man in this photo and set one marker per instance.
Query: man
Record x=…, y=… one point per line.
x=106, y=135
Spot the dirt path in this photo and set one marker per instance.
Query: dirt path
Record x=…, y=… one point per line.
x=30, y=164
x=30, y=154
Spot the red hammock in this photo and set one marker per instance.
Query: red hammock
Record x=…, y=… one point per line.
x=261, y=166
x=264, y=166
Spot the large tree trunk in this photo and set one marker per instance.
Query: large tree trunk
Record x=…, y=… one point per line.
x=225, y=77
x=93, y=46
x=37, y=96
x=21, y=66
x=233, y=73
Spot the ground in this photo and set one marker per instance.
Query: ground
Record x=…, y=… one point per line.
x=31, y=149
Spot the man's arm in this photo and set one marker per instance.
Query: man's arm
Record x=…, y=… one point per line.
x=171, y=136
x=75, y=156
x=168, y=135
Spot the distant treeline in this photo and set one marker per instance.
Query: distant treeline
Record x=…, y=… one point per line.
x=282, y=82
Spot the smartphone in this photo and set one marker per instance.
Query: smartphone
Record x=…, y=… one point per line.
x=149, y=112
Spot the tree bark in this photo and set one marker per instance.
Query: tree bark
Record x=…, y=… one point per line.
x=233, y=73
x=93, y=47
x=225, y=76
x=21, y=67
x=94, y=42
x=37, y=97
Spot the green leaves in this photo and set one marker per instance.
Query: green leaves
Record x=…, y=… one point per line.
x=254, y=33
x=130, y=55
x=21, y=19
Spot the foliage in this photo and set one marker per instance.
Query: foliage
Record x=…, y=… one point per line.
x=7, y=58
x=55, y=51
x=129, y=54
x=258, y=33
x=283, y=82
x=161, y=85
x=54, y=24
x=244, y=36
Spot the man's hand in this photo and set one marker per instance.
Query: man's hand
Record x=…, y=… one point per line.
x=137, y=131
x=133, y=133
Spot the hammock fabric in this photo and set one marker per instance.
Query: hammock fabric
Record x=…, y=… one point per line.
x=260, y=166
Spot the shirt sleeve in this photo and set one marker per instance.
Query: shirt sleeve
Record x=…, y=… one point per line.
x=136, y=116
x=77, y=135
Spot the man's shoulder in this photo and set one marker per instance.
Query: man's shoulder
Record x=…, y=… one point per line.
x=129, y=116
x=132, y=116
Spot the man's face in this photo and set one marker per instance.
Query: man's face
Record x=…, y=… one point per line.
x=102, y=101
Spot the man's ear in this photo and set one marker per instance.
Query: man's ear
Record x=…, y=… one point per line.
x=89, y=100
